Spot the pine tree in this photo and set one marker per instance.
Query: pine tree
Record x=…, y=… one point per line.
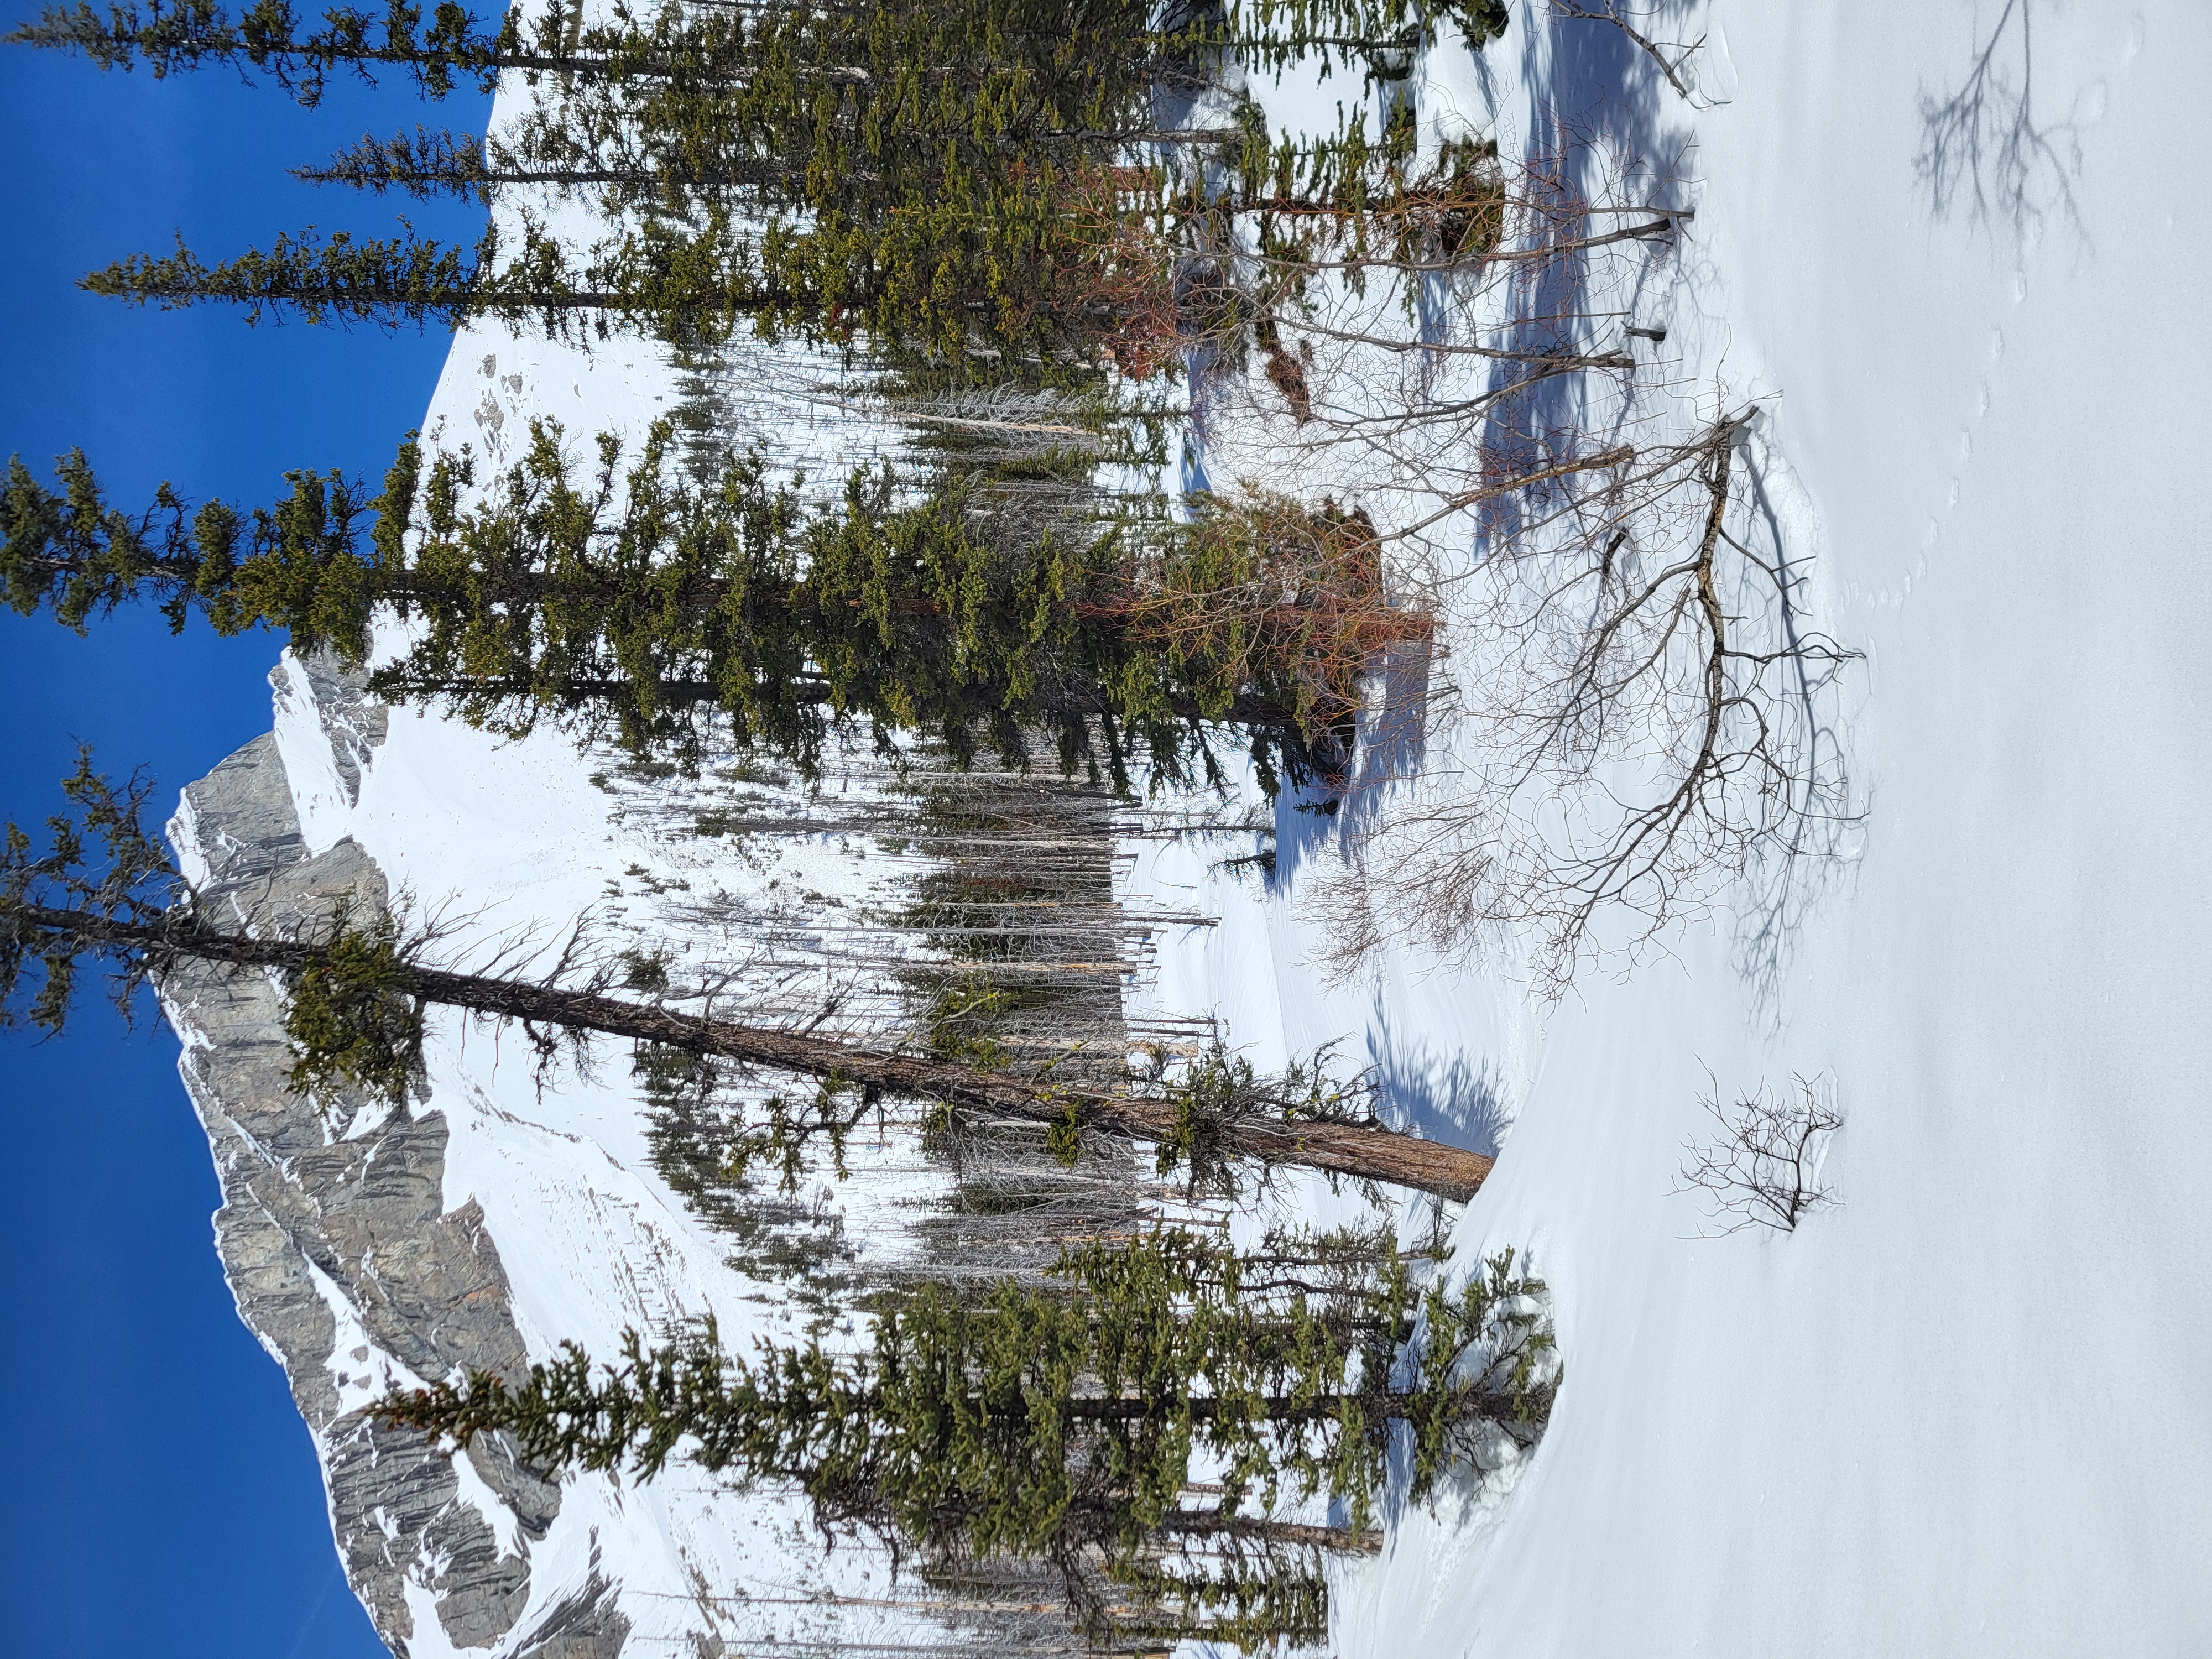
x=635, y=602
x=952, y=181
x=456, y=49
x=411, y=280
x=429, y=164
x=426, y=164
x=683, y=283
x=295, y=564
x=67, y=551
x=884, y=158
x=357, y=987
x=1066, y=1423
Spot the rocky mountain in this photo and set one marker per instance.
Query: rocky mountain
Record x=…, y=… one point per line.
x=347, y=1262
x=504, y=1210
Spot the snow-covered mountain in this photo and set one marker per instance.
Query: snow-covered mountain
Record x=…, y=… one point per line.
x=1957, y=255
x=399, y=1246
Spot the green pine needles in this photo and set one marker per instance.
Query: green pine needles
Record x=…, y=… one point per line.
x=267, y=38
x=1151, y=1420
x=298, y=564
x=981, y=185
x=351, y=1025
x=635, y=601
x=65, y=551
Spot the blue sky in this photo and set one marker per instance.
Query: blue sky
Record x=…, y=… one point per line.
x=158, y=1494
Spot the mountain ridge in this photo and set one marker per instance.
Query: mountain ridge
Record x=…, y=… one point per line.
x=336, y=1245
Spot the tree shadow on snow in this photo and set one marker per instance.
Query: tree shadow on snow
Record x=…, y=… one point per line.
x=1983, y=150
x=1451, y=1099
x=1601, y=105
x=1601, y=83
x=1394, y=736
x=1392, y=745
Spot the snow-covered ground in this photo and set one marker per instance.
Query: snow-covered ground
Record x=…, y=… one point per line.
x=1961, y=252
x=1964, y=1411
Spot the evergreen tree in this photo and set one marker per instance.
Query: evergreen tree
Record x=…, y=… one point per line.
x=884, y=159
x=67, y=551
x=295, y=564
x=429, y=164
x=357, y=988
x=455, y=49
x=929, y=178
x=1069, y=1423
x=426, y=164
x=637, y=601
x=948, y=178
x=684, y=285
x=1381, y=35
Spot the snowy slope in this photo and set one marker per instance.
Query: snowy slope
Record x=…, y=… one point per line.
x=1966, y=1411
x=482, y=1228
x=1963, y=1412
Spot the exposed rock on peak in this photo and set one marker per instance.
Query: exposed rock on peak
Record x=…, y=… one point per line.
x=344, y=1262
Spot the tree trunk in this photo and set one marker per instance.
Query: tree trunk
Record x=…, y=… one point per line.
x=1343, y=1149
x=1362, y=1153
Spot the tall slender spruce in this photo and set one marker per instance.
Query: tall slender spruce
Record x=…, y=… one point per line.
x=1152, y=1420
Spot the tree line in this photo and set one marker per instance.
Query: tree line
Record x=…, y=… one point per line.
x=961, y=194
x=1140, y=1420
x=951, y=181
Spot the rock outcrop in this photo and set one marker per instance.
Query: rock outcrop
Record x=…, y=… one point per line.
x=344, y=1262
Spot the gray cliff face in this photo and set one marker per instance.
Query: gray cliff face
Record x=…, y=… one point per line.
x=332, y=1227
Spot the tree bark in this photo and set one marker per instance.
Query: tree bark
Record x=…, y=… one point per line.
x=1361, y=1152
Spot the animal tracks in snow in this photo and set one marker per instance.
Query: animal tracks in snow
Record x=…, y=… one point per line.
x=1955, y=490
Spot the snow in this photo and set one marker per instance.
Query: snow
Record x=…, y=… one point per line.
x=360, y=1370
x=476, y=1492
x=1962, y=1412
x=184, y=838
x=593, y=1244
x=507, y=844
x=311, y=765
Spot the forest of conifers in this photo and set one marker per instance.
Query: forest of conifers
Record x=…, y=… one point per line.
x=1034, y=231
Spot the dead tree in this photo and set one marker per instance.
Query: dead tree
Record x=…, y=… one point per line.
x=358, y=991
x=1361, y=1150
x=1645, y=724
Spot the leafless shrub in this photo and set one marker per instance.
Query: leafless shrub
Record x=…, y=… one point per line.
x=1764, y=1170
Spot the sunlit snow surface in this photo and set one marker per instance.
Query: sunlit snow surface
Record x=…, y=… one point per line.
x=1965, y=1411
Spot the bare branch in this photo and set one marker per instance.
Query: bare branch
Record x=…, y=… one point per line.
x=1764, y=1168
